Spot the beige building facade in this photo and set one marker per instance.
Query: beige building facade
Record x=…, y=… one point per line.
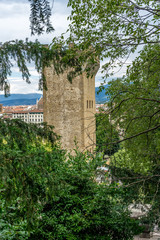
x=70, y=108
x=29, y=116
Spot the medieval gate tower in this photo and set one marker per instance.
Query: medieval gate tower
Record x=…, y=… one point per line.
x=70, y=108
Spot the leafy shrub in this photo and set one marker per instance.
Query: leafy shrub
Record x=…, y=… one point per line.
x=48, y=194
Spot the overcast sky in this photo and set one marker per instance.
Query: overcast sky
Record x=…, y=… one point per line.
x=14, y=24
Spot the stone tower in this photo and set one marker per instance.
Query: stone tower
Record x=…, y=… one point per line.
x=70, y=108
x=1, y=107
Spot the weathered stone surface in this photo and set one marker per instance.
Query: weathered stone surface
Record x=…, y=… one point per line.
x=70, y=108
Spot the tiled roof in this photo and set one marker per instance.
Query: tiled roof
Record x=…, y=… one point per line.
x=36, y=111
x=22, y=109
x=29, y=111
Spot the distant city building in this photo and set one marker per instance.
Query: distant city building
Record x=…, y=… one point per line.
x=7, y=115
x=39, y=104
x=30, y=116
x=101, y=108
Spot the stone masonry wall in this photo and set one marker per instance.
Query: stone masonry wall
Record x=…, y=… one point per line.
x=70, y=108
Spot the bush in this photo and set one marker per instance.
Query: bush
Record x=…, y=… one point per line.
x=47, y=194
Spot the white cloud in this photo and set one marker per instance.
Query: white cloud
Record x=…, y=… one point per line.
x=14, y=24
x=17, y=85
x=23, y=87
x=9, y=10
x=34, y=73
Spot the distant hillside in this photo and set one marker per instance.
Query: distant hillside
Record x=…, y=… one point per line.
x=101, y=97
x=20, y=99
x=31, y=98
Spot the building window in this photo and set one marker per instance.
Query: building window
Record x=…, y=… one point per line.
x=90, y=104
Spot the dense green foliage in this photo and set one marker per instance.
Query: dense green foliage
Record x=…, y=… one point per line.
x=134, y=107
x=46, y=194
x=110, y=31
x=105, y=133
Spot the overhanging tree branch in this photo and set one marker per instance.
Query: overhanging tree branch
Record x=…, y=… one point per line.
x=40, y=17
x=136, y=135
